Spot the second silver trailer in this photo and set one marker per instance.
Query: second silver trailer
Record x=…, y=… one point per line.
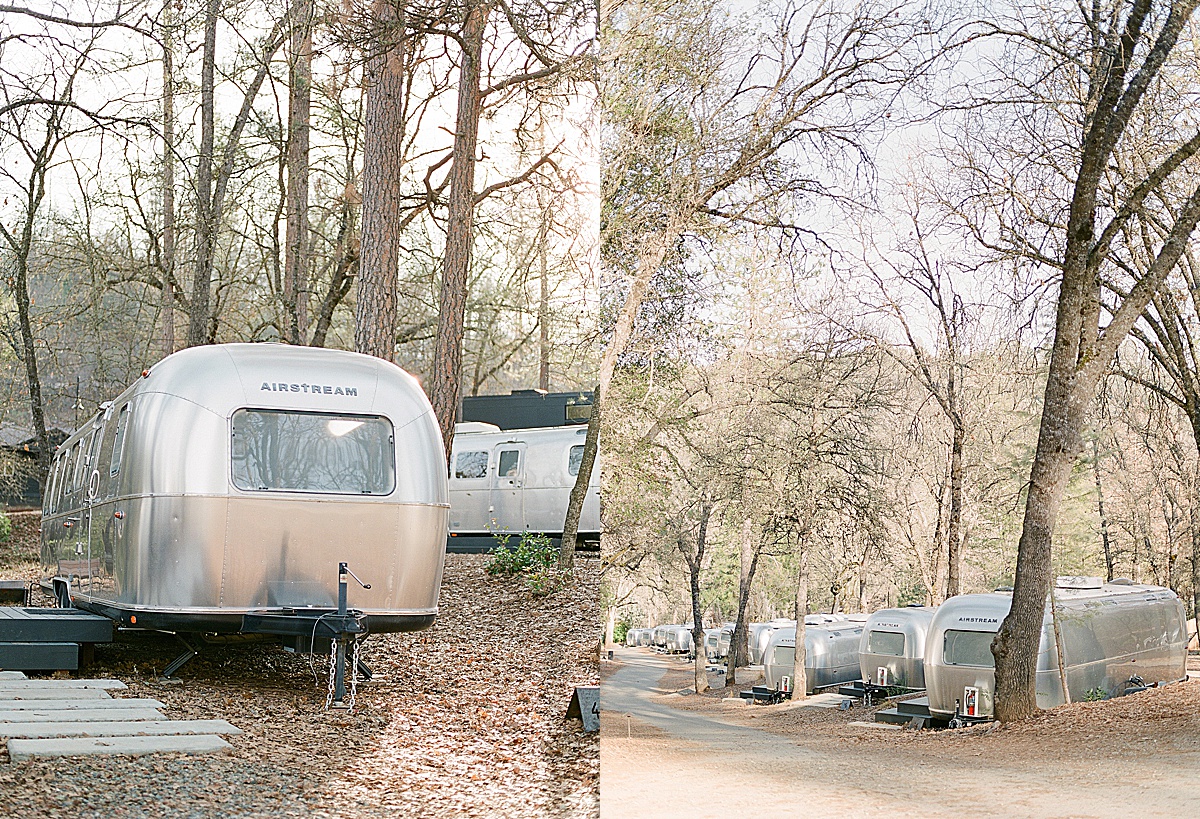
x=892, y=649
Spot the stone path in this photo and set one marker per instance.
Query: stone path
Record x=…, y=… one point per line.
x=40, y=718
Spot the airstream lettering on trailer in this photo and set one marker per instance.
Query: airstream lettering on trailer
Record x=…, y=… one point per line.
x=514, y=481
x=892, y=650
x=231, y=480
x=831, y=654
x=1112, y=634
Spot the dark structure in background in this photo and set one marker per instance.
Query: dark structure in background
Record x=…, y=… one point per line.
x=20, y=488
x=524, y=409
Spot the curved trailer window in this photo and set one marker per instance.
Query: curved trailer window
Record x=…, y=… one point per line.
x=313, y=452
x=969, y=648
x=885, y=642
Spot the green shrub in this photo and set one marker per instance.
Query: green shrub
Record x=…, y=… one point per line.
x=5, y=526
x=532, y=552
x=1095, y=695
x=534, y=558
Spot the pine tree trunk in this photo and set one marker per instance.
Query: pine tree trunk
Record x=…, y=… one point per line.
x=296, y=247
x=167, y=308
x=205, y=229
x=382, y=180
x=1109, y=560
x=446, y=376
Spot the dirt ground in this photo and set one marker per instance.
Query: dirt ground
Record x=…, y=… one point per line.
x=1136, y=755
x=466, y=719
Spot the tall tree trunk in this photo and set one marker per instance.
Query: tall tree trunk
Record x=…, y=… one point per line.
x=1195, y=526
x=954, y=525
x=544, y=308
x=167, y=308
x=799, y=674
x=297, y=243
x=33, y=380
x=205, y=229
x=739, y=643
x=1104, y=540
x=342, y=277
x=695, y=567
x=591, y=447
x=446, y=377
x=382, y=180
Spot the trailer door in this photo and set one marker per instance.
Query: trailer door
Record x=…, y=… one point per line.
x=506, y=513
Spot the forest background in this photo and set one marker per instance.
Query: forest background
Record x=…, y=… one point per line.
x=354, y=175
x=843, y=306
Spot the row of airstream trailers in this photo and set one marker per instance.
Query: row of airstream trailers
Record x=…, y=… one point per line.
x=232, y=481
x=1115, y=637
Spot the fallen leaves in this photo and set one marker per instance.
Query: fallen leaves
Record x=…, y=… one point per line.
x=465, y=719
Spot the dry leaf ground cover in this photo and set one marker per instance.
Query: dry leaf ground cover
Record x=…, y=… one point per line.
x=463, y=720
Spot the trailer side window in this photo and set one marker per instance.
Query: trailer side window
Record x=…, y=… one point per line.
x=313, y=452
x=471, y=465
x=119, y=442
x=969, y=648
x=574, y=459
x=885, y=642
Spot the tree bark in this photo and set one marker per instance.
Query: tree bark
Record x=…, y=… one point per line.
x=954, y=525
x=205, y=229
x=446, y=376
x=1104, y=540
x=799, y=674
x=591, y=448
x=695, y=561
x=739, y=643
x=297, y=243
x=167, y=308
x=382, y=180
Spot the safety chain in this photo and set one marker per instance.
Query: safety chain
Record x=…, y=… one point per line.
x=354, y=674
x=332, y=673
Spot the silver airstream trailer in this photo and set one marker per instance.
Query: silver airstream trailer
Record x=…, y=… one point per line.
x=659, y=636
x=831, y=654
x=506, y=482
x=712, y=643
x=1113, y=635
x=679, y=640
x=229, y=482
x=892, y=651
x=760, y=636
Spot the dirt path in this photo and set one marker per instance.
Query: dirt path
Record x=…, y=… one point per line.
x=713, y=761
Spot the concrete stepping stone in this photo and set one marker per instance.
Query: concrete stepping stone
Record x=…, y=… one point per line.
x=45, y=730
x=81, y=715
x=20, y=750
x=23, y=684
x=22, y=694
x=7, y=706
x=12, y=675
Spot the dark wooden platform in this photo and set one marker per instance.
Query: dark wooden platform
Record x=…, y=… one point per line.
x=34, y=639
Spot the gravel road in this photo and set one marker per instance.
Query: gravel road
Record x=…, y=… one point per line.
x=722, y=760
